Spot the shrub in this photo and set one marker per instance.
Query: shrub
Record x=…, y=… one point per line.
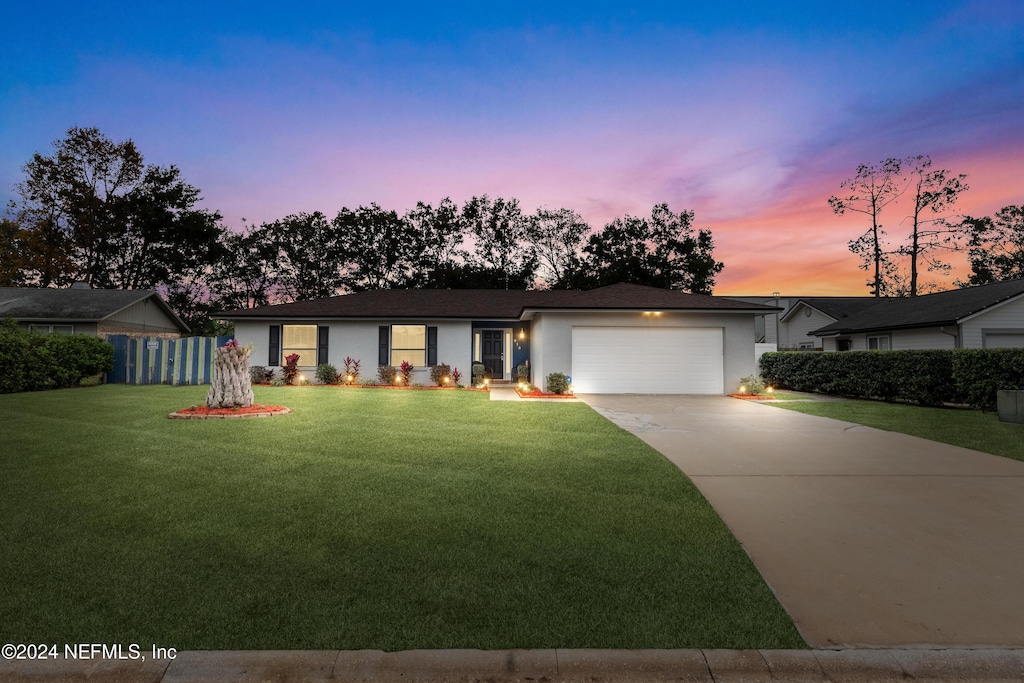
x=439, y=372
x=558, y=383
x=277, y=382
x=29, y=362
x=351, y=370
x=369, y=382
x=753, y=384
x=326, y=374
x=291, y=368
x=925, y=377
x=478, y=373
x=523, y=373
x=257, y=374
x=406, y=370
x=386, y=375
x=979, y=373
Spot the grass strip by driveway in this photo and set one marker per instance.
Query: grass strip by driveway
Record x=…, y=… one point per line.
x=366, y=519
x=957, y=426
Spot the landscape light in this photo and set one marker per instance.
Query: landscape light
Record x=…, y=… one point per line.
x=743, y=389
x=769, y=389
x=446, y=380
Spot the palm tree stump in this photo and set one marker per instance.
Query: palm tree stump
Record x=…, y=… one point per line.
x=231, y=386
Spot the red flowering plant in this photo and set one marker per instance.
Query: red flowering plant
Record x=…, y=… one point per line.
x=406, y=370
x=351, y=372
x=232, y=344
x=457, y=377
x=291, y=368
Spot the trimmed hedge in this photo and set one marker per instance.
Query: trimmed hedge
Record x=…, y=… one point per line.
x=928, y=377
x=30, y=362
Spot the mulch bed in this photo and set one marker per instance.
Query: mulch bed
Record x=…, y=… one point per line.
x=540, y=394
x=754, y=397
x=208, y=413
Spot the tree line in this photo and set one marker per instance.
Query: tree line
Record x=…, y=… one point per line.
x=94, y=212
x=994, y=245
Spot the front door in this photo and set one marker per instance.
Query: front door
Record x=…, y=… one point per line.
x=492, y=355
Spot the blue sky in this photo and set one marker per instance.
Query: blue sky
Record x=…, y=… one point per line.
x=749, y=113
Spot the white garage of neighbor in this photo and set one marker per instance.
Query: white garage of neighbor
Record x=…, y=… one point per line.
x=643, y=360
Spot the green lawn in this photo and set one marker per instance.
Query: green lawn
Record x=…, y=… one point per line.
x=957, y=426
x=366, y=519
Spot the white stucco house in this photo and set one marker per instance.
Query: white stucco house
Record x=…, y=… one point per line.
x=983, y=317
x=622, y=338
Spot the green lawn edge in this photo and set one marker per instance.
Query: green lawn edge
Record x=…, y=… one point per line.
x=956, y=426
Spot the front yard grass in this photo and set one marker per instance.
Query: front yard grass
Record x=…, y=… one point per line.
x=957, y=426
x=379, y=519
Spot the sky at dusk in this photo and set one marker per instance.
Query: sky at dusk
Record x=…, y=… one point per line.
x=751, y=114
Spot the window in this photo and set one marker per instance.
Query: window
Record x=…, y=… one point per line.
x=409, y=343
x=880, y=343
x=52, y=329
x=300, y=339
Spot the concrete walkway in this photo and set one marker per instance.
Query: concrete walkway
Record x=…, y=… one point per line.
x=868, y=538
x=551, y=666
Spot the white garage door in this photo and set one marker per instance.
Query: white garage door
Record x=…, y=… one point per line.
x=1004, y=340
x=647, y=360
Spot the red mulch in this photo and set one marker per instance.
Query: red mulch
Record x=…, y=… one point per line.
x=206, y=412
x=537, y=393
x=753, y=397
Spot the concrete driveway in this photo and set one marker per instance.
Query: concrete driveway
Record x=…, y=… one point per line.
x=868, y=538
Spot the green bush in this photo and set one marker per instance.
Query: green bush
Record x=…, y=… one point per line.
x=980, y=373
x=558, y=383
x=30, y=362
x=929, y=377
x=752, y=384
x=386, y=375
x=326, y=374
x=439, y=372
x=523, y=372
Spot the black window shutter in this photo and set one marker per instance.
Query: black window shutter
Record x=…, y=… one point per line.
x=383, y=341
x=275, y=345
x=431, y=346
x=321, y=344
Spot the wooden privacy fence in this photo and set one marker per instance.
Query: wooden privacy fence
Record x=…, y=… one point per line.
x=157, y=360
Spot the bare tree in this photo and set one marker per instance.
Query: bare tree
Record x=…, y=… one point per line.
x=935, y=191
x=870, y=190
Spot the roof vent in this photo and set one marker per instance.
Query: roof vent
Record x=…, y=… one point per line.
x=81, y=284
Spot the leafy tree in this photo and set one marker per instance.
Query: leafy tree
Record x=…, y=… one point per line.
x=871, y=189
x=662, y=251
x=69, y=201
x=377, y=247
x=12, y=254
x=935, y=191
x=995, y=246
x=502, y=240
x=310, y=251
x=436, y=236
x=557, y=235
x=247, y=274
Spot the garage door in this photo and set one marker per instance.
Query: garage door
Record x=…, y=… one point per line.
x=1004, y=340
x=645, y=360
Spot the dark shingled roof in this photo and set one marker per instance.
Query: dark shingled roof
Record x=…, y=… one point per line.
x=83, y=305
x=837, y=307
x=930, y=310
x=489, y=303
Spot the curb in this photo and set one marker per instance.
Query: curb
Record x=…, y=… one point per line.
x=537, y=666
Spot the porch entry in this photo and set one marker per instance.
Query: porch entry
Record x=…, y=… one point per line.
x=493, y=348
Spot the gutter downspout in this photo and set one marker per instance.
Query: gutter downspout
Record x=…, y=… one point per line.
x=954, y=335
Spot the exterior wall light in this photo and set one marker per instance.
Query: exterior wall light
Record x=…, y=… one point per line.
x=522, y=333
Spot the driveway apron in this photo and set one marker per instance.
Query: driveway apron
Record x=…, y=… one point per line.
x=868, y=538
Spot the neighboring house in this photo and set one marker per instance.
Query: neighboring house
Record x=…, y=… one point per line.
x=983, y=317
x=96, y=312
x=618, y=339
x=790, y=327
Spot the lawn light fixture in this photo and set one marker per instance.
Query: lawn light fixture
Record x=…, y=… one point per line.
x=743, y=388
x=769, y=389
x=486, y=381
x=446, y=380
x=398, y=379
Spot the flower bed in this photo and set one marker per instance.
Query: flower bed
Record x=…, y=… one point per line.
x=208, y=413
x=754, y=397
x=537, y=393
